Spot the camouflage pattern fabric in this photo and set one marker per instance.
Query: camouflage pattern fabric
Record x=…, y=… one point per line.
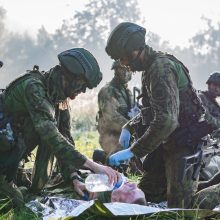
x=209, y=171
x=212, y=108
x=31, y=102
x=114, y=101
x=153, y=182
x=44, y=162
x=207, y=198
x=160, y=181
x=213, y=116
x=10, y=191
x=173, y=102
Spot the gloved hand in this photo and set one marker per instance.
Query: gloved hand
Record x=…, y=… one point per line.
x=124, y=138
x=120, y=156
x=134, y=112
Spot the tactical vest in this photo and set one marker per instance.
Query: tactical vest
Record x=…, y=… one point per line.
x=190, y=109
x=8, y=127
x=29, y=74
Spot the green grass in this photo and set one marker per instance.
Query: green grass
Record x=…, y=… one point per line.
x=87, y=142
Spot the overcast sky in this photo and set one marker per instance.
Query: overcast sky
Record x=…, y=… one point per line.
x=174, y=20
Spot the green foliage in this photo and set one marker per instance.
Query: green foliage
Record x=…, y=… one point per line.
x=83, y=110
x=87, y=142
x=22, y=214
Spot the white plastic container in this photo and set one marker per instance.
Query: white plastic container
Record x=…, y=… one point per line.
x=100, y=183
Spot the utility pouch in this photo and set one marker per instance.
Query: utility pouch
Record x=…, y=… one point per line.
x=192, y=134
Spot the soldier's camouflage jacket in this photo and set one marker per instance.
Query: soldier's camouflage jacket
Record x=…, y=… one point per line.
x=208, y=198
x=31, y=101
x=114, y=102
x=168, y=92
x=212, y=108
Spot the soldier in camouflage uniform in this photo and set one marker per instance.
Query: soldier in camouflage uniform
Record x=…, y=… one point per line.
x=212, y=108
x=169, y=97
x=28, y=111
x=209, y=99
x=114, y=101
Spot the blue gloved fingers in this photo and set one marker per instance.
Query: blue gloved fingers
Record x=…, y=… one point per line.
x=113, y=162
x=117, y=158
x=124, y=138
x=86, y=195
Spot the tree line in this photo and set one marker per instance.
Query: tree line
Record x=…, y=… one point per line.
x=89, y=28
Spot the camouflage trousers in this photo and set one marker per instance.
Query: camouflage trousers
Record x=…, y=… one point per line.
x=10, y=193
x=109, y=142
x=161, y=180
x=207, y=198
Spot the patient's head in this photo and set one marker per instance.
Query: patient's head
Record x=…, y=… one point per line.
x=129, y=193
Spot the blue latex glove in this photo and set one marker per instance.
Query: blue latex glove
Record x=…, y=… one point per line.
x=117, y=158
x=124, y=138
x=85, y=196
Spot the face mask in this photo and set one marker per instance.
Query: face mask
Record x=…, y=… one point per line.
x=124, y=75
x=214, y=90
x=135, y=64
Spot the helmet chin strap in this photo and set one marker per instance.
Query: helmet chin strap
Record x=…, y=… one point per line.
x=136, y=64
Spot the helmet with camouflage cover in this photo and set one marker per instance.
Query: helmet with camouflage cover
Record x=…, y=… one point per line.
x=125, y=38
x=81, y=63
x=214, y=78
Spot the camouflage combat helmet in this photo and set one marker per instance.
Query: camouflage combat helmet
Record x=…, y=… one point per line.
x=125, y=38
x=214, y=78
x=81, y=63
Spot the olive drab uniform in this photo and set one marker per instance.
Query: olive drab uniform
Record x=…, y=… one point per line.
x=44, y=162
x=209, y=195
x=171, y=100
x=211, y=106
x=30, y=103
x=213, y=116
x=114, y=102
x=208, y=198
x=177, y=123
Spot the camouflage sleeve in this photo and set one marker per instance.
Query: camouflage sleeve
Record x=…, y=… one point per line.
x=207, y=198
x=213, y=120
x=65, y=129
x=164, y=100
x=65, y=125
x=109, y=106
x=42, y=113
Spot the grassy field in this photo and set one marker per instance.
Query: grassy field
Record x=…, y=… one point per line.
x=87, y=142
